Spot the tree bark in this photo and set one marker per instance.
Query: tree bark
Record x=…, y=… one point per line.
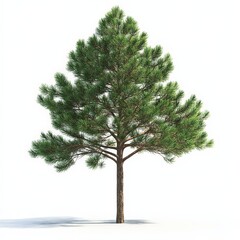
x=120, y=200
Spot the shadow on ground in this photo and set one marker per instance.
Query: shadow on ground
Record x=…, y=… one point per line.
x=50, y=222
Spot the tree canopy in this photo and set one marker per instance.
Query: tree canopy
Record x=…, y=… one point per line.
x=119, y=98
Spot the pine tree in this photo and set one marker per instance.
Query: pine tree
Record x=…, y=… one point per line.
x=120, y=100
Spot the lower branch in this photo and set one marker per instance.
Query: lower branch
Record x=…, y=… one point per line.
x=103, y=152
x=131, y=154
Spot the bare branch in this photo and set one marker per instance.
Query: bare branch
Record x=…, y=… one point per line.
x=107, y=152
x=104, y=153
x=131, y=154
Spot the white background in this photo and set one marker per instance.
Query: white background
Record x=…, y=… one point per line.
x=203, y=39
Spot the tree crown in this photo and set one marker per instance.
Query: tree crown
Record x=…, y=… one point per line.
x=120, y=99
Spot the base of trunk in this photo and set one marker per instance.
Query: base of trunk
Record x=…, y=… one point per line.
x=120, y=220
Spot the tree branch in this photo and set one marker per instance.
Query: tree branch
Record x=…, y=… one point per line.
x=104, y=153
x=107, y=152
x=87, y=140
x=131, y=154
x=107, y=107
x=131, y=138
x=111, y=132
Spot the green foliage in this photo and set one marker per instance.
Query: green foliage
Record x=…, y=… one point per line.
x=55, y=150
x=120, y=99
x=94, y=161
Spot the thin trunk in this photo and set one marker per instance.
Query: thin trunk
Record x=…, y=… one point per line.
x=120, y=206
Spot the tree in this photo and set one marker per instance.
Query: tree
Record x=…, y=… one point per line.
x=120, y=100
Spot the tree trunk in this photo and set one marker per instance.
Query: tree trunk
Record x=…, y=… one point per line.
x=120, y=209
